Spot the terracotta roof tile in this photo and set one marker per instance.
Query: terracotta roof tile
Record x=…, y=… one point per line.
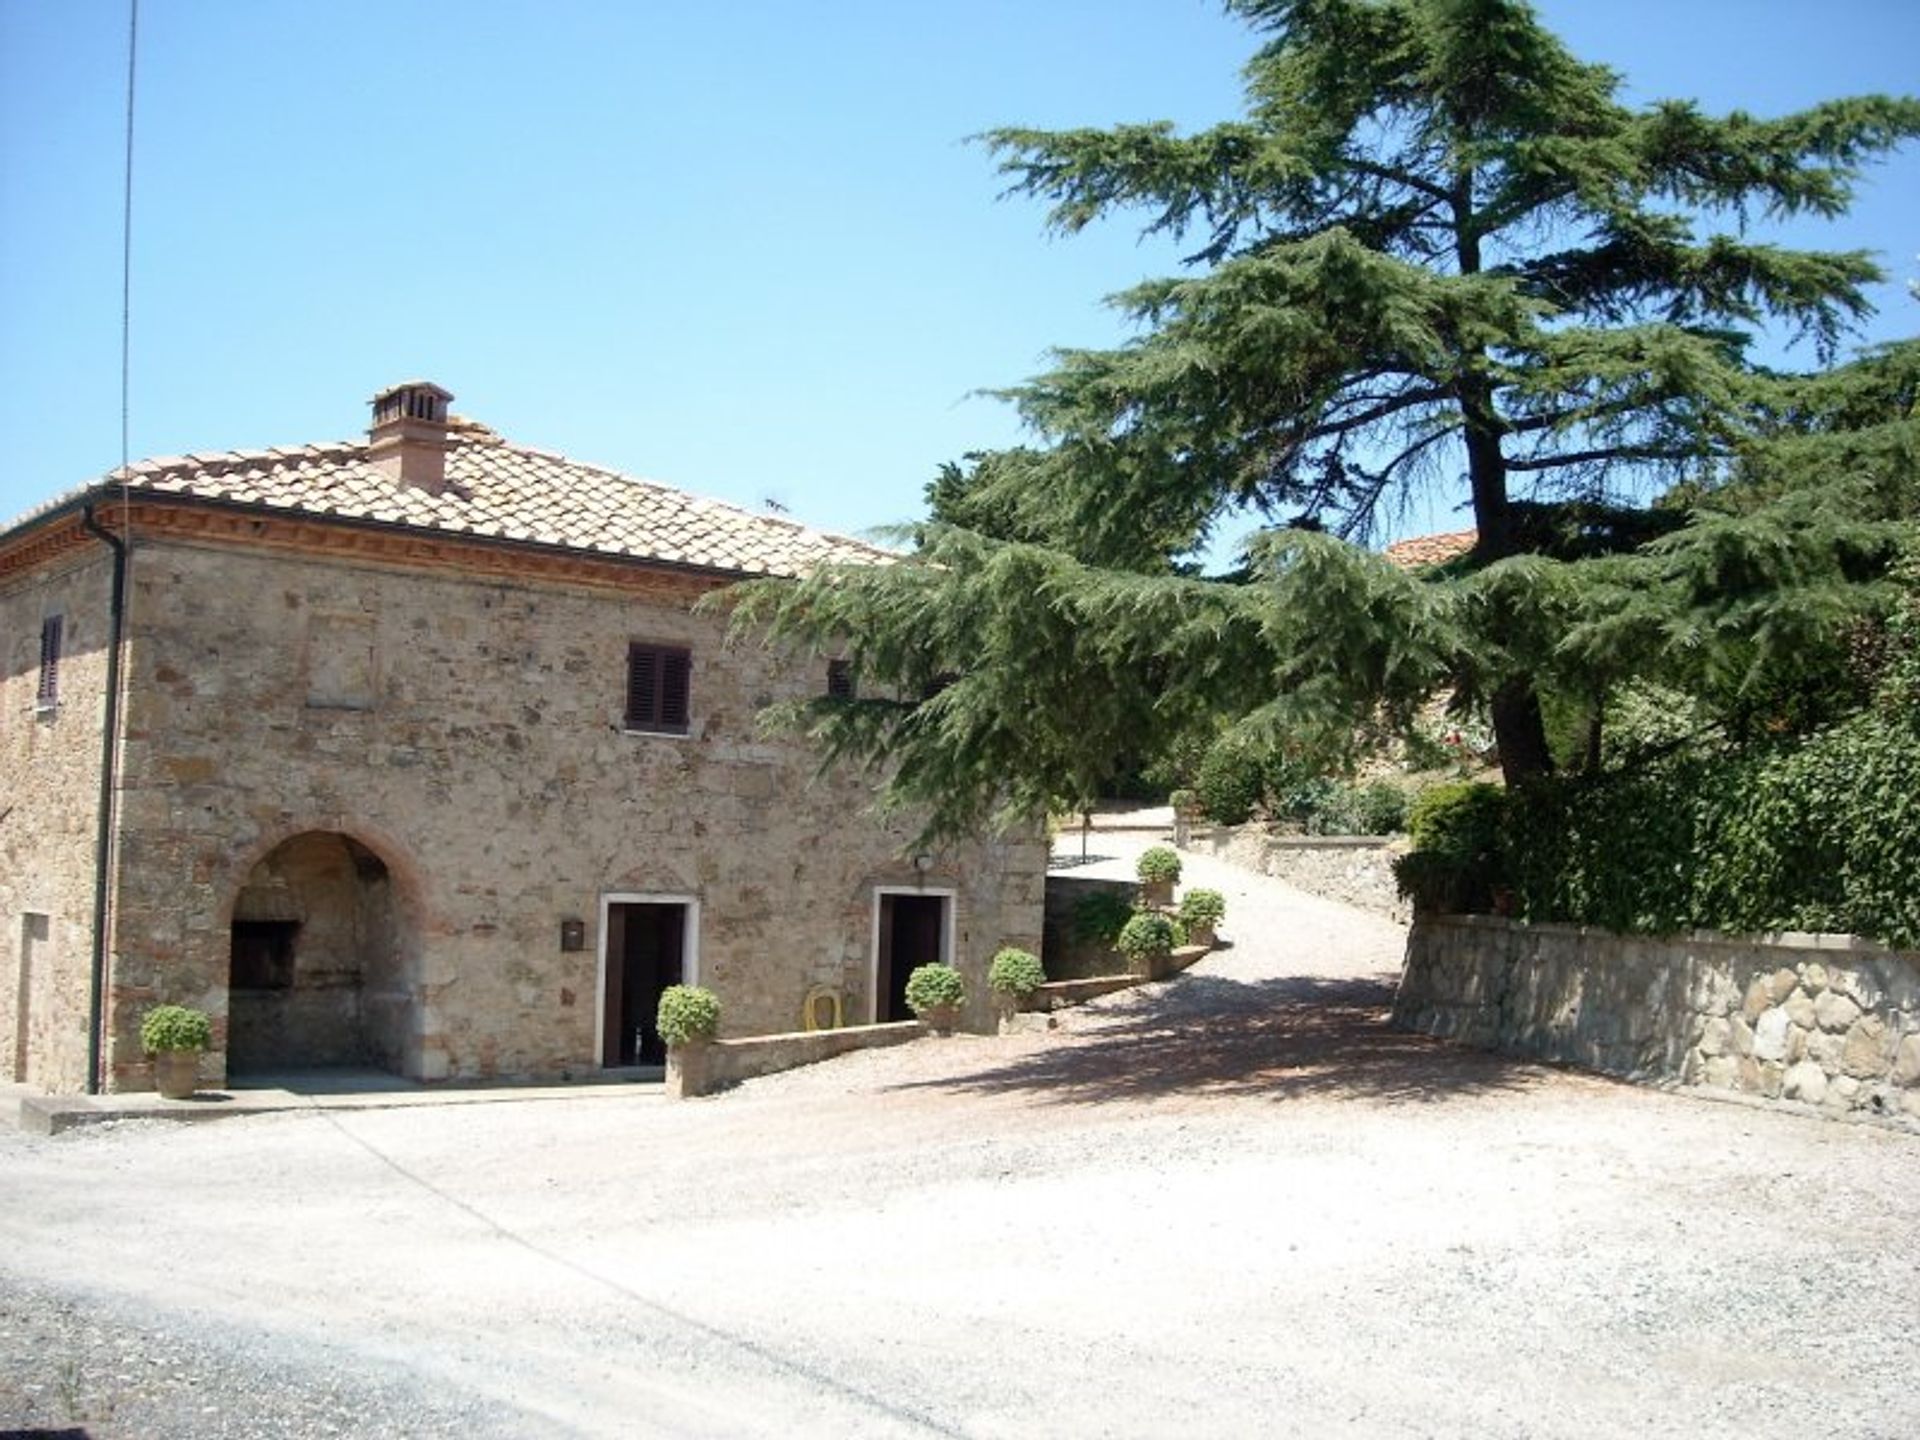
x=1431, y=549
x=502, y=491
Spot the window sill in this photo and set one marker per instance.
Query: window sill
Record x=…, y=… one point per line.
x=656, y=734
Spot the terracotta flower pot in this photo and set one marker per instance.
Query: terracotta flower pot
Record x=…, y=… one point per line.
x=176, y=1073
x=940, y=1018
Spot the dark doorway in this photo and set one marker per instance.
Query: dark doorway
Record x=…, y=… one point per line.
x=646, y=952
x=913, y=931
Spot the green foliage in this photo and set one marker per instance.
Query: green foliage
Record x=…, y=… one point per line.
x=1231, y=782
x=1147, y=933
x=687, y=1014
x=1016, y=972
x=930, y=987
x=1458, y=857
x=1377, y=809
x=1158, y=863
x=1462, y=819
x=1184, y=799
x=1819, y=835
x=1099, y=915
x=1437, y=250
x=1201, y=907
x=175, y=1027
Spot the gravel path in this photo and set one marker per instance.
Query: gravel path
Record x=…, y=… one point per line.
x=1233, y=1204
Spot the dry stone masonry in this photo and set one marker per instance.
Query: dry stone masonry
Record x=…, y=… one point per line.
x=1822, y=1020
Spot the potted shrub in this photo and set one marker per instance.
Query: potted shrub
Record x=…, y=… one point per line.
x=1014, y=975
x=1159, y=870
x=688, y=1018
x=174, y=1036
x=935, y=993
x=1201, y=911
x=1147, y=942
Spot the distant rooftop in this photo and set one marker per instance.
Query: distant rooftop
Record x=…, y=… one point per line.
x=1431, y=549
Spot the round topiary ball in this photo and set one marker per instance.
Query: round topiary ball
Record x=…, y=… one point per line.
x=688, y=1014
x=1016, y=972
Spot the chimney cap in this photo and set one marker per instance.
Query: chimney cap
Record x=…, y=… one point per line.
x=408, y=438
x=412, y=399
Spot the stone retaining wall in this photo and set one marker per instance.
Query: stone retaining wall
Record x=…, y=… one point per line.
x=1353, y=869
x=1065, y=957
x=1824, y=1020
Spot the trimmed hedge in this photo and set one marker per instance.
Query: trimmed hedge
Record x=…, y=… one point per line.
x=1820, y=835
x=1823, y=835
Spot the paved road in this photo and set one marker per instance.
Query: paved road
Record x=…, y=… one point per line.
x=1235, y=1204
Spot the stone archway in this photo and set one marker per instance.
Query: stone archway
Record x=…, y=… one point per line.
x=317, y=971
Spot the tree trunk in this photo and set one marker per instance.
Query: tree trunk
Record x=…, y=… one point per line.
x=1518, y=726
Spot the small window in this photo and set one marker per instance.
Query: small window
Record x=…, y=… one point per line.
x=262, y=955
x=48, y=695
x=840, y=679
x=659, y=687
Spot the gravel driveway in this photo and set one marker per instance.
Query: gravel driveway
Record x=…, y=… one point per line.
x=1233, y=1204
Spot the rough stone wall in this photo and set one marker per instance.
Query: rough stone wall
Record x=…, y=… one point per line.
x=49, y=811
x=1355, y=870
x=1825, y=1020
x=469, y=733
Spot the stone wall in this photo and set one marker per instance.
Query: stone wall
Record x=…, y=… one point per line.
x=1825, y=1020
x=468, y=732
x=1353, y=869
x=1068, y=958
x=49, y=814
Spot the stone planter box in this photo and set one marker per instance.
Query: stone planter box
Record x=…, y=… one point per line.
x=727, y=1062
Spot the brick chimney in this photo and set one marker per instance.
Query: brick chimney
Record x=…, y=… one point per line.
x=409, y=435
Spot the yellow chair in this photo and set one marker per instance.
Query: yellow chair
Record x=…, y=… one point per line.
x=821, y=997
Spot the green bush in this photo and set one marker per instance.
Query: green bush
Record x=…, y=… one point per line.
x=1098, y=916
x=1017, y=973
x=687, y=1013
x=175, y=1027
x=931, y=986
x=1230, y=782
x=1183, y=799
x=1459, y=851
x=1461, y=819
x=1148, y=933
x=1203, y=908
x=1378, y=809
x=1823, y=834
x=1158, y=863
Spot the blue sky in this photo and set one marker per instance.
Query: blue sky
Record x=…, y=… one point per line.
x=742, y=249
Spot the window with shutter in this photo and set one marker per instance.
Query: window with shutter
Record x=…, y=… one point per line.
x=840, y=679
x=659, y=689
x=48, y=695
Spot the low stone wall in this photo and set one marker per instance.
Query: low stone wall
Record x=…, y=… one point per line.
x=1058, y=994
x=1353, y=869
x=728, y=1062
x=1824, y=1020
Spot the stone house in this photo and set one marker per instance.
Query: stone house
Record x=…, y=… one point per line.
x=414, y=752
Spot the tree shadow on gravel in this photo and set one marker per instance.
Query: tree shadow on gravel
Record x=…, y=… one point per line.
x=1285, y=1039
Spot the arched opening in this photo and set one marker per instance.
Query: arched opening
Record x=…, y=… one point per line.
x=317, y=970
